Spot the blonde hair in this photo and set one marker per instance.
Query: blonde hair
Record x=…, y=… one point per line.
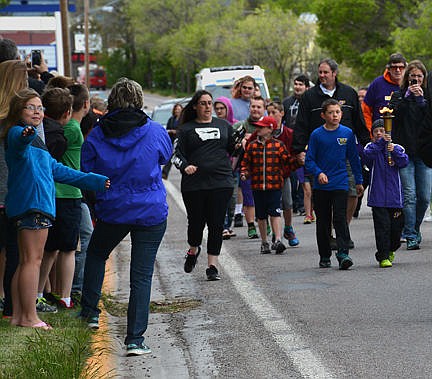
x=13, y=78
x=126, y=93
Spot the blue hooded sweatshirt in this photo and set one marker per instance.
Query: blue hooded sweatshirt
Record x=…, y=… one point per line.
x=32, y=172
x=129, y=147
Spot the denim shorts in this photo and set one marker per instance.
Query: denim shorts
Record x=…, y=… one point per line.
x=33, y=221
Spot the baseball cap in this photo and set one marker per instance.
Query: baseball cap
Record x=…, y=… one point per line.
x=267, y=121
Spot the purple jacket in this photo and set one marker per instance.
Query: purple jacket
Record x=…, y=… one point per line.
x=385, y=189
x=379, y=94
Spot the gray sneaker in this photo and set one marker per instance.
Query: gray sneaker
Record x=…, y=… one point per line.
x=93, y=323
x=43, y=306
x=265, y=248
x=133, y=349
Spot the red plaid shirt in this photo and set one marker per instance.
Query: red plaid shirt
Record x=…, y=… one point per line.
x=265, y=161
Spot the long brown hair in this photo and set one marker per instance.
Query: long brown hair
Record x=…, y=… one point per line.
x=13, y=78
x=16, y=108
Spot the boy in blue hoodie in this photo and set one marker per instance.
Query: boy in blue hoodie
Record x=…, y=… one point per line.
x=384, y=159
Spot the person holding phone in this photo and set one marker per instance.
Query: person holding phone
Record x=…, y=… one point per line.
x=410, y=108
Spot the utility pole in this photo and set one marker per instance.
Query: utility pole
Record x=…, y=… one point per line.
x=86, y=43
x=66, y=38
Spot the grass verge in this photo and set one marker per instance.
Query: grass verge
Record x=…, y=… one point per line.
x=58, y=353
x=65, y=351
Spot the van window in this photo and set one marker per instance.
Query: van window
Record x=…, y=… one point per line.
x=219, y=80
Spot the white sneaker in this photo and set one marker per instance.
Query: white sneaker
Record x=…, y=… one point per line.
x=428, y=218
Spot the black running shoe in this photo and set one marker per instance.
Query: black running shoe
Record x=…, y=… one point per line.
x=212, y=273
x=191, y=260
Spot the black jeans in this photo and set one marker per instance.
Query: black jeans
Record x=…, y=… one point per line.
x=388, y=225
x=206, y=207
x=327, y=203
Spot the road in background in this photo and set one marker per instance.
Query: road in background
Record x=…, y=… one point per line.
x=150, y=99
x=280, y=316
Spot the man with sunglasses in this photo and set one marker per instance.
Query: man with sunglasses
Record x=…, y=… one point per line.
x=242, y=93
x=380, y=90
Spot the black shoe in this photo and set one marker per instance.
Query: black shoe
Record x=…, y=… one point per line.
x=212, y=273
x=191, y=260
x=279, y=247
x=238, y=220
x=351, y=244
x=265, y=248
x=324, y=263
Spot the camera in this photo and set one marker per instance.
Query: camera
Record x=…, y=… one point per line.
x=36, y=58
x=413, y=81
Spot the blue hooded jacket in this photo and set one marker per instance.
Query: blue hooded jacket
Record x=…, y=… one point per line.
x=129, y=148
x=32, y=172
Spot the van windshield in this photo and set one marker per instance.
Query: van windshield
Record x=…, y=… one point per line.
x=218, y=91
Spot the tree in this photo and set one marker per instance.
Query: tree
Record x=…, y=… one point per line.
x=275, y=39
x=359, y=32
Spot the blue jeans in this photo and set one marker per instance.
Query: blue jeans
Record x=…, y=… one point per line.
x=416, y=181
x=145, y=243
x=86, y=230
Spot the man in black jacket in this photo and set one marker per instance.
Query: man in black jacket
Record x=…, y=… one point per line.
x=309, y=115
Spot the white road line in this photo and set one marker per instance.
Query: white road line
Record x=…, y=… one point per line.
x=302, y=357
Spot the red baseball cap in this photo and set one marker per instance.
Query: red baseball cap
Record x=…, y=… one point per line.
x=267, y=121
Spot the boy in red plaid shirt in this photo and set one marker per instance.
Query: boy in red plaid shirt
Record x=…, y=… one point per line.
x=264, y=161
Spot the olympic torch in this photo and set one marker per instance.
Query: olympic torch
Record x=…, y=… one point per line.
x=388, y=123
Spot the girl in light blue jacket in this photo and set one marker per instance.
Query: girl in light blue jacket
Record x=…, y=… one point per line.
x=30, y=200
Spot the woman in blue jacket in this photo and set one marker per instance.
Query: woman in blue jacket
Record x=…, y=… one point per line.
x=130, y=148
x=30, y=201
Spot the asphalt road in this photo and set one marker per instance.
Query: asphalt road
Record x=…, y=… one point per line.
x=282, y=316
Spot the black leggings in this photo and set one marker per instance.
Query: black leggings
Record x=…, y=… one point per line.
x=206, y=207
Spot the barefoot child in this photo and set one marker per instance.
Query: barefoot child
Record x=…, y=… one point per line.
x=30, y=200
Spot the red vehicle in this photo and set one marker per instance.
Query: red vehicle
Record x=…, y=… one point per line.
x=97, y=77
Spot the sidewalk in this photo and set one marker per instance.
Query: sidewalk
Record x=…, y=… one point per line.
x=167, y=358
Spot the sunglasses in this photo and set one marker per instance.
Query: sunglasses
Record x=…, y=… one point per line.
x=249, y=88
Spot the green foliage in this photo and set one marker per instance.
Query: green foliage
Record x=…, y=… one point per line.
x=296, y=6
x=363, y=33
x=163, y=43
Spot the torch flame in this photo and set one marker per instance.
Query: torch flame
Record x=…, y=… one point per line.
x=386, y=110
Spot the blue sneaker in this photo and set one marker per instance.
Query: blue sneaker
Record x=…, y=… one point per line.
x=345, y=261
x=93, y=323
x=419, y=238
x=133, y=349
x=413, y=244
x=290, y=236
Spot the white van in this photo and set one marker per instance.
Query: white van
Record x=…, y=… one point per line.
x=219, y=80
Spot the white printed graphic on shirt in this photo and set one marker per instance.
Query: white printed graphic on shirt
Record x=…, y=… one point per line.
x=208, y=133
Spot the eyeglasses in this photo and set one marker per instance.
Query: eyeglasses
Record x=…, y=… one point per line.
x=249, y=88
x=204, y=103
x=34, y=108
x=397, y=68
x=420, y=76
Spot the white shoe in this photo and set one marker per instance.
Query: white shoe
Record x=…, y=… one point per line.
x=428, y=218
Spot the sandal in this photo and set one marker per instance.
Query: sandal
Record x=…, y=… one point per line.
x=42, y=325
x=226, y=234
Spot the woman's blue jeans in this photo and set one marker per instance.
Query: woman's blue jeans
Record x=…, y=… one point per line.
x=416, y=181
x=145, y=243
